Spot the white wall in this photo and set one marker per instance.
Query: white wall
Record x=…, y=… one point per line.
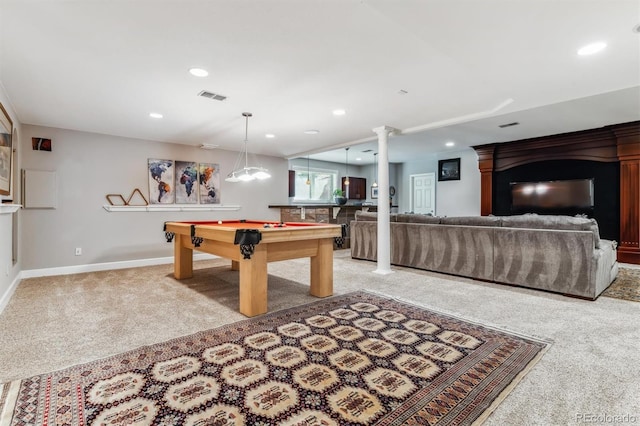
x=453, y=198
x=89, y=166
x=460, y=197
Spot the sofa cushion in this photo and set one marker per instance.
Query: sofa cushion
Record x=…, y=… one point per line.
x=418, y=218
x=471, y=221
x=569, y=223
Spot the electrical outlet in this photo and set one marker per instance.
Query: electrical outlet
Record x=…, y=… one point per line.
x=78, y=251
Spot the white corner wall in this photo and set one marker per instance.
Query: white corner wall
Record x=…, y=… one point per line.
x=89, y=166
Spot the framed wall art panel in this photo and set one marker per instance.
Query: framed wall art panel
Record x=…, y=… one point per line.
x=161, y=181
x=6, y=151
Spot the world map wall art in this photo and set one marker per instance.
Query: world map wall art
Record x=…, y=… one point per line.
x=183, y=182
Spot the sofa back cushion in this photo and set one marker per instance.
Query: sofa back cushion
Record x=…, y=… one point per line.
x=418, y=218
x=568, y=223
x=471, y=221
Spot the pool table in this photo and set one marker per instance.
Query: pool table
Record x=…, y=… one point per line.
x=251, y=244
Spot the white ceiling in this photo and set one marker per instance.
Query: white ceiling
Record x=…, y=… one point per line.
x=466, y=65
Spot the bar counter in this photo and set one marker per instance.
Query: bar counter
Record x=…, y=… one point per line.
x=322, y=213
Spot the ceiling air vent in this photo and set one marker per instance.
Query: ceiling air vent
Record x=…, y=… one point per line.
x=368, y=150
x=213, y=96
x=502, y=126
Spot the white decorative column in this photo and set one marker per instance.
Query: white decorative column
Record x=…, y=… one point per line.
x=384, y=209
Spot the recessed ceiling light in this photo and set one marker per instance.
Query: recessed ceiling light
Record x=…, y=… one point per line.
x=339, y=112
x=198, y=72
x=155, y=115
x=311, y=132
x=208, y=146
x=450, y=143
x=358, y=158
x=269, y=136
x=592, y=48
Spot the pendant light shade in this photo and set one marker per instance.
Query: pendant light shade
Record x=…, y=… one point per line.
x=246, y=173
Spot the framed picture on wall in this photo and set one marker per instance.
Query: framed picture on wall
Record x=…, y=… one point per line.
x=6, y=151
x=374, y=192
x=209, y=176
x=161, y=178
x=449, y=169
x=186, y=182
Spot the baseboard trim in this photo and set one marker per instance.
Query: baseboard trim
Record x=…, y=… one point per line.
x=93, y=267
x=4, y=301
x=629, y=255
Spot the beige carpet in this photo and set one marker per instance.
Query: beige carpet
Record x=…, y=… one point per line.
x=589, y=371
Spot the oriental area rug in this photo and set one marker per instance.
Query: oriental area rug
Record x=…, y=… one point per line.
x=354, y=359
x=626, y=286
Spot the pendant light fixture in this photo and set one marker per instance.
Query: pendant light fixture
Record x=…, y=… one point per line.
x=346, y=179
x=246, y=173
x=308, y=182
x=375, y=165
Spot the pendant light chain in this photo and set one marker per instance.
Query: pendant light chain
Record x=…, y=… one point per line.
x=375, y=166
x=246, y=173
x=346, y=180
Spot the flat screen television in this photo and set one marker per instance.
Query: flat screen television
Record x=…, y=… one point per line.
x=552, y=195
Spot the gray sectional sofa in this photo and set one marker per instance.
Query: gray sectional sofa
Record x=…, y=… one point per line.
x=562, y=254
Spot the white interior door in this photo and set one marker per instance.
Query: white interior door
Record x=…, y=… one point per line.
x=423, y=193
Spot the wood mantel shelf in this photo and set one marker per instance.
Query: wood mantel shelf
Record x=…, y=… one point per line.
x=9, y=208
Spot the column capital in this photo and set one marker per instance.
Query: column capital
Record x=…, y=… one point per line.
x=384, y=130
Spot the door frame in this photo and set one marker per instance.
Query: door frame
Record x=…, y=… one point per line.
x=411, y=180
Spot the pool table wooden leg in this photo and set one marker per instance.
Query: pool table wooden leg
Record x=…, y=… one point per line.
x=182, y=257
x=322, y=269
x=235, y=265
x=253, y=282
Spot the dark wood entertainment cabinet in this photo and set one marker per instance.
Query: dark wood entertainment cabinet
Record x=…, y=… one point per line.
x=619, y=143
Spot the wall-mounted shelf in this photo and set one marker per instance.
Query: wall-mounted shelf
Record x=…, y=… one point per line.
x=172, y=208
x=9, y=208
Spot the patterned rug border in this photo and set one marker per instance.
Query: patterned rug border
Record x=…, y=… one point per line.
x=622, y=290
x=463, y=317
x=177, y=346
x=516, y=380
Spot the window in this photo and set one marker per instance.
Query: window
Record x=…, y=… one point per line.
x=323, y=182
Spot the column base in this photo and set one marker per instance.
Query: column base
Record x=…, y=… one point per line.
x=383, y=271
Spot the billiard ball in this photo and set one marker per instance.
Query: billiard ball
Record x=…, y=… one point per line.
x=219, y=222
